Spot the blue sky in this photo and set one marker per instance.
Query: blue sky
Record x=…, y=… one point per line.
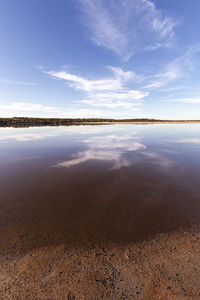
x=100, y=58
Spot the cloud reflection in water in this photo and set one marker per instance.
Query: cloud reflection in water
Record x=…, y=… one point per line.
x=107, y=148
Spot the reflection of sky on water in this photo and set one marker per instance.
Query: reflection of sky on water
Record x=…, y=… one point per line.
x=28, y=134
x=187, y=140
x=40, y=133
x=123, y=183
x=136, y=144
x=106, y=148
x=119, y=145
x=115, y=149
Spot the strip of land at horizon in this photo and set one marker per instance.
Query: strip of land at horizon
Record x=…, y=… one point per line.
x=28, y=122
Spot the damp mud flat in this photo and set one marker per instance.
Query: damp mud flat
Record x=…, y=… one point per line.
x=100, y=212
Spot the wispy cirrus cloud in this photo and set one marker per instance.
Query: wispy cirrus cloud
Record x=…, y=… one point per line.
x=179, y=68
x=126, y=89
x=89, y=85
x=83, y=84
x=127, y=26
x=171, y=72
x=108, y=92
x=14, y=82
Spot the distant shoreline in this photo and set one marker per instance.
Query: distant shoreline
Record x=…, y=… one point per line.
x=37, y=122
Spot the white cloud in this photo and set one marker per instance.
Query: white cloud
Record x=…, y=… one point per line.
x=127, y=26
x=116, y=90
x=184, y=100
x=190, y=100
x=178, y=68
x=107, y=92
x=123, y=75
x=13, y=82
x=25, y=107
x=171, y=72
x=86, y=85
x=174, y=88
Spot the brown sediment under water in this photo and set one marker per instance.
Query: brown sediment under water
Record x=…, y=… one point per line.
x=96, y=187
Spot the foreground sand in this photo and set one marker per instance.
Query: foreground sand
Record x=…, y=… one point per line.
x=167, y=267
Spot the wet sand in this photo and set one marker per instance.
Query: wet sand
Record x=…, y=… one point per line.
x=84, y=233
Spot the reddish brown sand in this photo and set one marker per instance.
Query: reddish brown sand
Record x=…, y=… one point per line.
x=124, y=234
x=165, y=268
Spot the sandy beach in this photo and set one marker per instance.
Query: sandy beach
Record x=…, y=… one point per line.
x=165, y=268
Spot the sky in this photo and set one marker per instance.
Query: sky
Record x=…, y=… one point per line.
x=100, y=58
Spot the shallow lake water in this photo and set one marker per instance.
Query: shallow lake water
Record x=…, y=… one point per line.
x=82, y=185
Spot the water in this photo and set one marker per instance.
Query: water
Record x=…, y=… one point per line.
x=82, y=185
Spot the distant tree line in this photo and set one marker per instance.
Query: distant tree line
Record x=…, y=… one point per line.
x=27, y=122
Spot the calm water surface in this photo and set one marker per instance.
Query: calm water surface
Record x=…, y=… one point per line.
x=83, y=185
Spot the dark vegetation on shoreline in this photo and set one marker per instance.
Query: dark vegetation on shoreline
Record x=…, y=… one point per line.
x=28, y=122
